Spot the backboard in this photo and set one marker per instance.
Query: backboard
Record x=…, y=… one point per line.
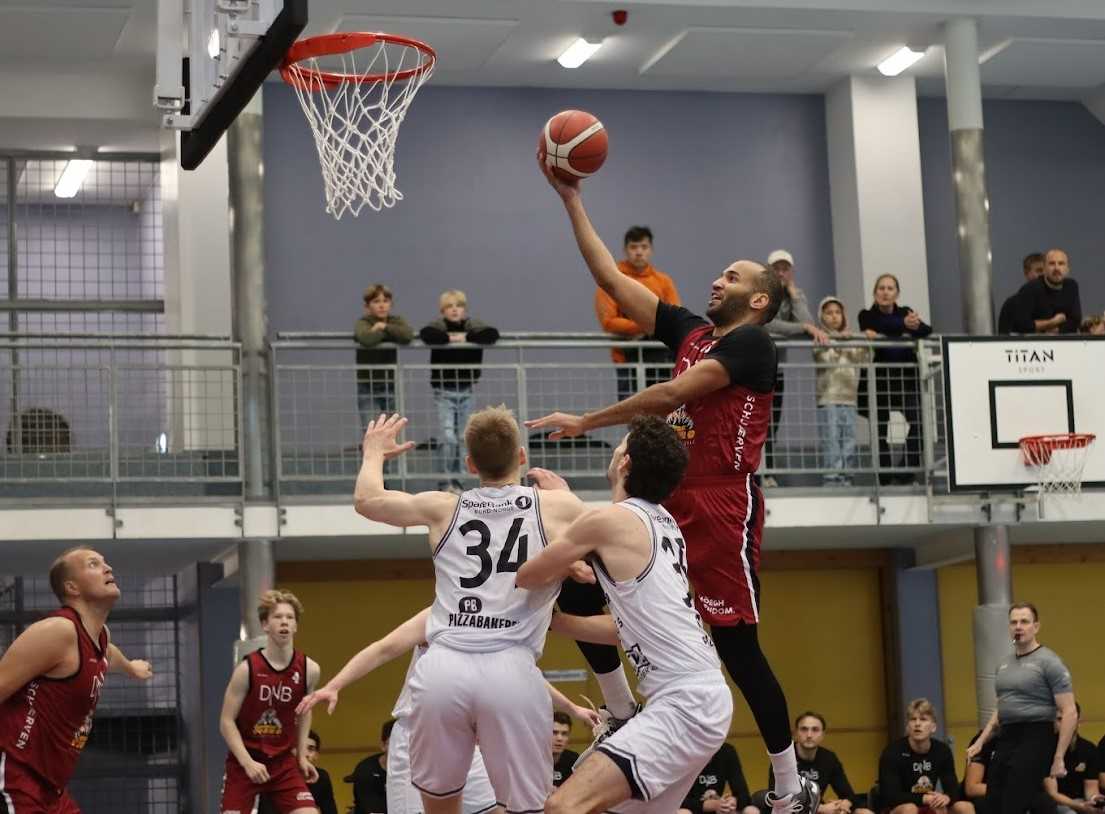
x=999, y=389
x=212, y=56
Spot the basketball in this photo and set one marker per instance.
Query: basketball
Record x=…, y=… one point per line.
x=573, y=143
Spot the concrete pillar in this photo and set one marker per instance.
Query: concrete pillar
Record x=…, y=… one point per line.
x=875, y=190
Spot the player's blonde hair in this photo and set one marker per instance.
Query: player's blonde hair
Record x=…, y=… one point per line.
x=493, y=438
x=270, y=599
x=59, y=570
x=453, y=296
x=921, y=708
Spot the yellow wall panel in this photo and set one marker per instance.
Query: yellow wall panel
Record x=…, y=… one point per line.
x=822, y=632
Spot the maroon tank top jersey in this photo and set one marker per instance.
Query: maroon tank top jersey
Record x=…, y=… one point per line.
x=45, y=725
x=724, y=431
x=266, y=720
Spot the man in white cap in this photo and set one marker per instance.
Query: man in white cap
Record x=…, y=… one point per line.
x=794, y=321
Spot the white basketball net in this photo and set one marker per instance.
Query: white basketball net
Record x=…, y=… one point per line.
x=1058, y=461
x=355, y=122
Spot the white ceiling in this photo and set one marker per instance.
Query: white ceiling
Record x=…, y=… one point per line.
x=72, y=67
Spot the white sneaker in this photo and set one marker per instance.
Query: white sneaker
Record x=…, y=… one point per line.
x=804, y=801
x=604, y=730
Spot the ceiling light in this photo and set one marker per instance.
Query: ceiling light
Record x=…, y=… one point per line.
x=72, y=177
x=578, y=52
x=899, y=61
x=213, y=44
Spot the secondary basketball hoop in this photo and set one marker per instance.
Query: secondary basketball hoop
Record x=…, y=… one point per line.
x=1058, y=460
x=354, y=108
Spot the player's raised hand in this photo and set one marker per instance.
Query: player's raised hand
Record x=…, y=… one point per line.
x=140, y=669
x=546, y=479
x=565, y=189
x=381, y=436
x=567, y=425
x=317, y=697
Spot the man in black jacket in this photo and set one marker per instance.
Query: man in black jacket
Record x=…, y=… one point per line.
x=1050, y=304
x=452, y=386
x=911, y=769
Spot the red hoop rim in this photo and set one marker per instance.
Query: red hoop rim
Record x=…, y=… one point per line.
x=1067, y=440
x=343, y=42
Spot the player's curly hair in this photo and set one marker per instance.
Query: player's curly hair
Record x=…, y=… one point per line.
x=270, y=599
x=657, y=459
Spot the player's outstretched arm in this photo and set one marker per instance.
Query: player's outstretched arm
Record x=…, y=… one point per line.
x=119, y=663
x=638, y=303
x=372, y=500
x=554, y=562
x=598, y=629
x=401, y=640
x=37, y=651
x=235, y=694
x=582, y=714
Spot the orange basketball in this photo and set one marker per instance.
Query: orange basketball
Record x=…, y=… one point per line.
x=573, y=143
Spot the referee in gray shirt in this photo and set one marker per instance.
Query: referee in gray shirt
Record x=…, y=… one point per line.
x=1032, y=684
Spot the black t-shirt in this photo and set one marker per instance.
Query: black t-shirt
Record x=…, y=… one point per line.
x=906, y=776
x=562, y=768
x=747, y=353
x=1082, y=765
x=322, y=791
x=723, y=769
x=826, y=770
x=369, y=781
x=1038, y=300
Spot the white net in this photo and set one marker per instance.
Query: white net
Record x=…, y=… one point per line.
x=1058, y=461
x=354, y=112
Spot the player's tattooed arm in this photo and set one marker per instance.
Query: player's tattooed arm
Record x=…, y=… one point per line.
x=39, y=650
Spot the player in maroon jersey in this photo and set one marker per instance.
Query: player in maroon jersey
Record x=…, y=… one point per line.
x=719, y=401
x=258, y=720
x=50, y=682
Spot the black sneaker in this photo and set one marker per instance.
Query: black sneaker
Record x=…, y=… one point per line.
x=610, y=724
x=804, y=801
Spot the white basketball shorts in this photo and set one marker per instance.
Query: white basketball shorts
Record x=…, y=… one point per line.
x=663, y=747
x=404, y=798
x=496, y=699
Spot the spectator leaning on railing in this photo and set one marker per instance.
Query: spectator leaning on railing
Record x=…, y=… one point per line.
x=793, y=321
x=1049, y=304
x=897, y=386
x=837, y=394
x=375, y=387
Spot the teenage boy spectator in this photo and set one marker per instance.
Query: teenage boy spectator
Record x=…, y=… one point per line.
x=1033, y=267
x=377, y=325
x=322, y=789
x=708, y=792
x=1049, y=304
x=638, y=265
x=897, y=385
x=1077, y=792
x=793, y=321
x=453, y=386
x=820, y=765
x=563, y=757
x=911, y=768
x=838, y=377
x=370, y=778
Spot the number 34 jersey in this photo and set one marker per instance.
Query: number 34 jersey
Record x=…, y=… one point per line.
x=477, y=608
x=660, y=630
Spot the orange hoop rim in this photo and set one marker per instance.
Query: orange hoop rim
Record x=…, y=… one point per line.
x=309, y=79
x=1066, y=440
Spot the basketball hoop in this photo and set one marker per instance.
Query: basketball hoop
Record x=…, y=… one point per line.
x=1058, y=460
x=355, y=108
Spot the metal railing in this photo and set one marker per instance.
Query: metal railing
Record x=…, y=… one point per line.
x=149, y=418
x=88, y=416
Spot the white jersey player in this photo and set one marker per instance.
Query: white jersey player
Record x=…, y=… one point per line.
x=402, y=797
x=478, y=680
x=639, y=559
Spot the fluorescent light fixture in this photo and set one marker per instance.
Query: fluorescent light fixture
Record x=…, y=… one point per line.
x=578, y=52
x=213, y=44
x=72, y=177
x=899, y=61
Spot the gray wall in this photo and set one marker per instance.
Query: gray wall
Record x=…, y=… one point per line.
x=1045, y=168
x=716, y=176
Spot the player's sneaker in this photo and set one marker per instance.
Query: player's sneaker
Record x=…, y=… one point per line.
x=804, y=801
x=601, y=731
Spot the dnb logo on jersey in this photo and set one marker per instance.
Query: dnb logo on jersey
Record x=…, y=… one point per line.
x=268, y=725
